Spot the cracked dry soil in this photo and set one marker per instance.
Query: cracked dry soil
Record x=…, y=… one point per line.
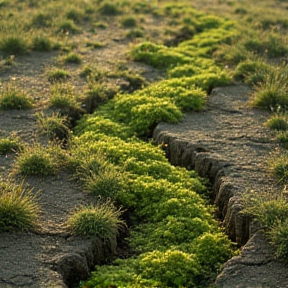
x=228, y=133
x=228, y=143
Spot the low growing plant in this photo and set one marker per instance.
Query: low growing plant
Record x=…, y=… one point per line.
x=42, y=43
x=128, y=22
x=54, y=127
x=39, y=161
x=10, y=145
x=277, y=122
x=14, y=45
x=18, y=207
x=72, y=58
x=101, y=220
x=12, y=98
x=58, y=75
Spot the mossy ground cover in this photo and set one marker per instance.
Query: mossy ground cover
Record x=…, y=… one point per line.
x=109, y=151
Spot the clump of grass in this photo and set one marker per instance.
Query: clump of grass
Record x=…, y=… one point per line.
x=54, y=127
x=14, y=45
x=41, y=20
x=135, y=33
x=37, y=160
x=62, y=96
x=75, y=14
x=100, y=25
x=279, y=236
x=72, y=58
x=251, y=71
x=128, y=22
x=68, y=26
x=108, y=9
x=11, y=98
x=279, y=166
x=101, y=221
x=132, y=80
x=282, y=137
x=277, y=122
x=9, y=145
x=105, y=182
x=63, y=99
x=271, y=210
x=42, y=43
x=95, y=44
x=96, y=95
x=18, y=207
x=58, y=75
x=272, y=92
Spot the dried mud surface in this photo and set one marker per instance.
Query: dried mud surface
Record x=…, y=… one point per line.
x=228, y=143
x=228, y=133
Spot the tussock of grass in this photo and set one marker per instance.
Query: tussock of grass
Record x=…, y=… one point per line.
x=13, y=98
x=102, y=221
x=18, y=207
x=9, y=145
x=40, y=161
x=58, y=75
x=54, y=126
x=271, y=210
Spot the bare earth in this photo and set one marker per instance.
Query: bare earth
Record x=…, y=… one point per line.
x=227, y=131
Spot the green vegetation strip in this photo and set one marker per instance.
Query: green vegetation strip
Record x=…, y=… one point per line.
x=176, y=240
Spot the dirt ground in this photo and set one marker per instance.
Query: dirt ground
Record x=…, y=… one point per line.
x=236, y=134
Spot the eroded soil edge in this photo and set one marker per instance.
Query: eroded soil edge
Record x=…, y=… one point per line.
x=228, y=144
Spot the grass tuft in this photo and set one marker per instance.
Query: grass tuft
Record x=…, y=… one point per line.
x=12, y=98
x=18, y=207
x=101, y=220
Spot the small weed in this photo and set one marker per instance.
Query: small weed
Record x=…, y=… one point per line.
x=42, y=43
x=11, y=98
x=72, y=58
x=9, y=145
x=108, y=9
x=95, y=44
x=14, y=45
x=58, y=75
x=54, y=127
x=69, y=26
x=100, y=25
x=75, y=15
x=128, y=22
x=18, y=207
x=277, y=122
x=35, y=160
